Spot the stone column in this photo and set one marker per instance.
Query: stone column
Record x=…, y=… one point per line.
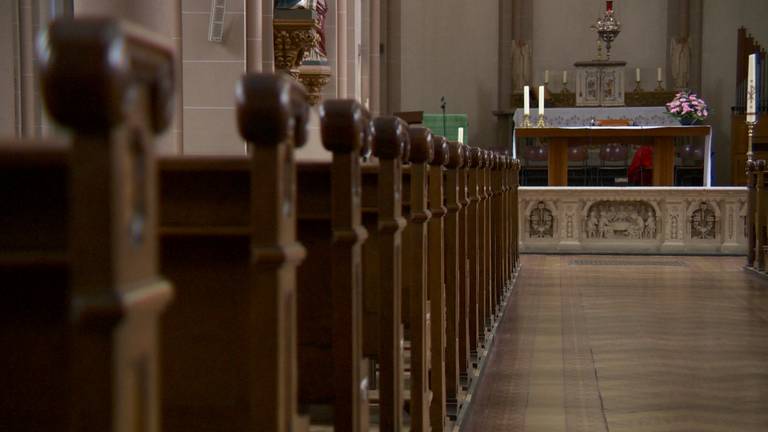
x=161, y=17
x=29, y=107
x=374, y=58
x=254, y=49
x=684, y=32
x=341, y=49
x=267, y=35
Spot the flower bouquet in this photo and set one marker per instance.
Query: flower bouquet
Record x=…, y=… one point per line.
x=688, y=108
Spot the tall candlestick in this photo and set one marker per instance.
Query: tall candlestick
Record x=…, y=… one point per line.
x=751, y=89
x=541, y=100
x=546, y=76
x=637, y=74
x=658, y=74
x=565, y=77
x=527, y=100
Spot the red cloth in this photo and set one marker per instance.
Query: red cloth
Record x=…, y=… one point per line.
x=643, y=159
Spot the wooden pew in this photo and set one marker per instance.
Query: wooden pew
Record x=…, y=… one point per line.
x=382, y=266
x=77, y=238
x=436, y=283
x=415, y=304
x=452, y=239
x=228, y=242
x=330, y=226
x=465, y=358
x=474, y=257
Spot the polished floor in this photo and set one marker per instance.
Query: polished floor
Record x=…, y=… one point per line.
x=611, y=343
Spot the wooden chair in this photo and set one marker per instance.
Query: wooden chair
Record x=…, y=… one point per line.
x=78, y=259
x=229, y=340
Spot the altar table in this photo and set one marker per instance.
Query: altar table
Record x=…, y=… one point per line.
x=662, y=138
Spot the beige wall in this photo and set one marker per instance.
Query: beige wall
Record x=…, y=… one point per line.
x=450, y=48
x=721, y=22
x=561, y=36
x=210, y=72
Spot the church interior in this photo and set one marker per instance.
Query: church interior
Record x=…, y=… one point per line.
x=383, y=215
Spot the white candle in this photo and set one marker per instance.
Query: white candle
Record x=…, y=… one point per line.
x=526, y=100
x=751, y=108
x=637, y=74
x=541, y=100
x=658, y=74
x=546, y=77
x=565, y=77
x=461, y=135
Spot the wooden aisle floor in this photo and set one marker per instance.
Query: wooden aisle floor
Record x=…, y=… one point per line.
x=616, y=343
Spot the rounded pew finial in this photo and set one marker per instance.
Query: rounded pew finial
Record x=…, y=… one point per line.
x=439, y=150
x=455, y=155
x=343, y=125
x=391, y=138
x=421, y=145
x=270, y=109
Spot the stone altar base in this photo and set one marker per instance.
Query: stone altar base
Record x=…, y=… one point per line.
x=633, y=220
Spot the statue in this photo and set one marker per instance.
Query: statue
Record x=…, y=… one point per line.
x=318, y=54
x=521, y=64
x=680, y=54
x=592, y=224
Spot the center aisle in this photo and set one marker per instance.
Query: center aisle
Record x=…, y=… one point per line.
x=606, y=343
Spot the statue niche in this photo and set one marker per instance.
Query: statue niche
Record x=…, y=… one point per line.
x=621, y=220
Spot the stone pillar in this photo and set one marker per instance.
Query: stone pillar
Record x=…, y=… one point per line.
x=254, y=60
x=161, y=17
x=341, y=49
x=29, y=107
x=267, y=35
x=374, y=58
x=684, y=32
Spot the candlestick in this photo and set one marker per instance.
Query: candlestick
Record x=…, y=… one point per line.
x=751, y=89
x=659, y=87
x=750, y=134
x=541, y=123
x=527, y=100
x=526, y=121
x=541, y=101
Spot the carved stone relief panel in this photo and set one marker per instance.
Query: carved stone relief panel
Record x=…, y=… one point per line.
x=541, y=221
x=704, y=221
x=621, y=220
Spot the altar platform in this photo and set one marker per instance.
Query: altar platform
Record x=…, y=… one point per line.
x=633, y=220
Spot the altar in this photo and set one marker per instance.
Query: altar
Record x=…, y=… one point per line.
x=570, y=129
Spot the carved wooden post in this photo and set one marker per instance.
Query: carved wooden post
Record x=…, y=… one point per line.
x=751, y=201
x=760, y=213
x=515, y=206
x=473, y=255
x=391, y=145
x=343, y=129
x=415, y=281
x=436, y=281
x=452, y=285
x=506, y=249
x=485, y=267
x=465, y=359
x=116, y=103
x=267, y=105
x=496, y=233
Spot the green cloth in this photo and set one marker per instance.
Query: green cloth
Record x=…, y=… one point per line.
x=452, y=124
